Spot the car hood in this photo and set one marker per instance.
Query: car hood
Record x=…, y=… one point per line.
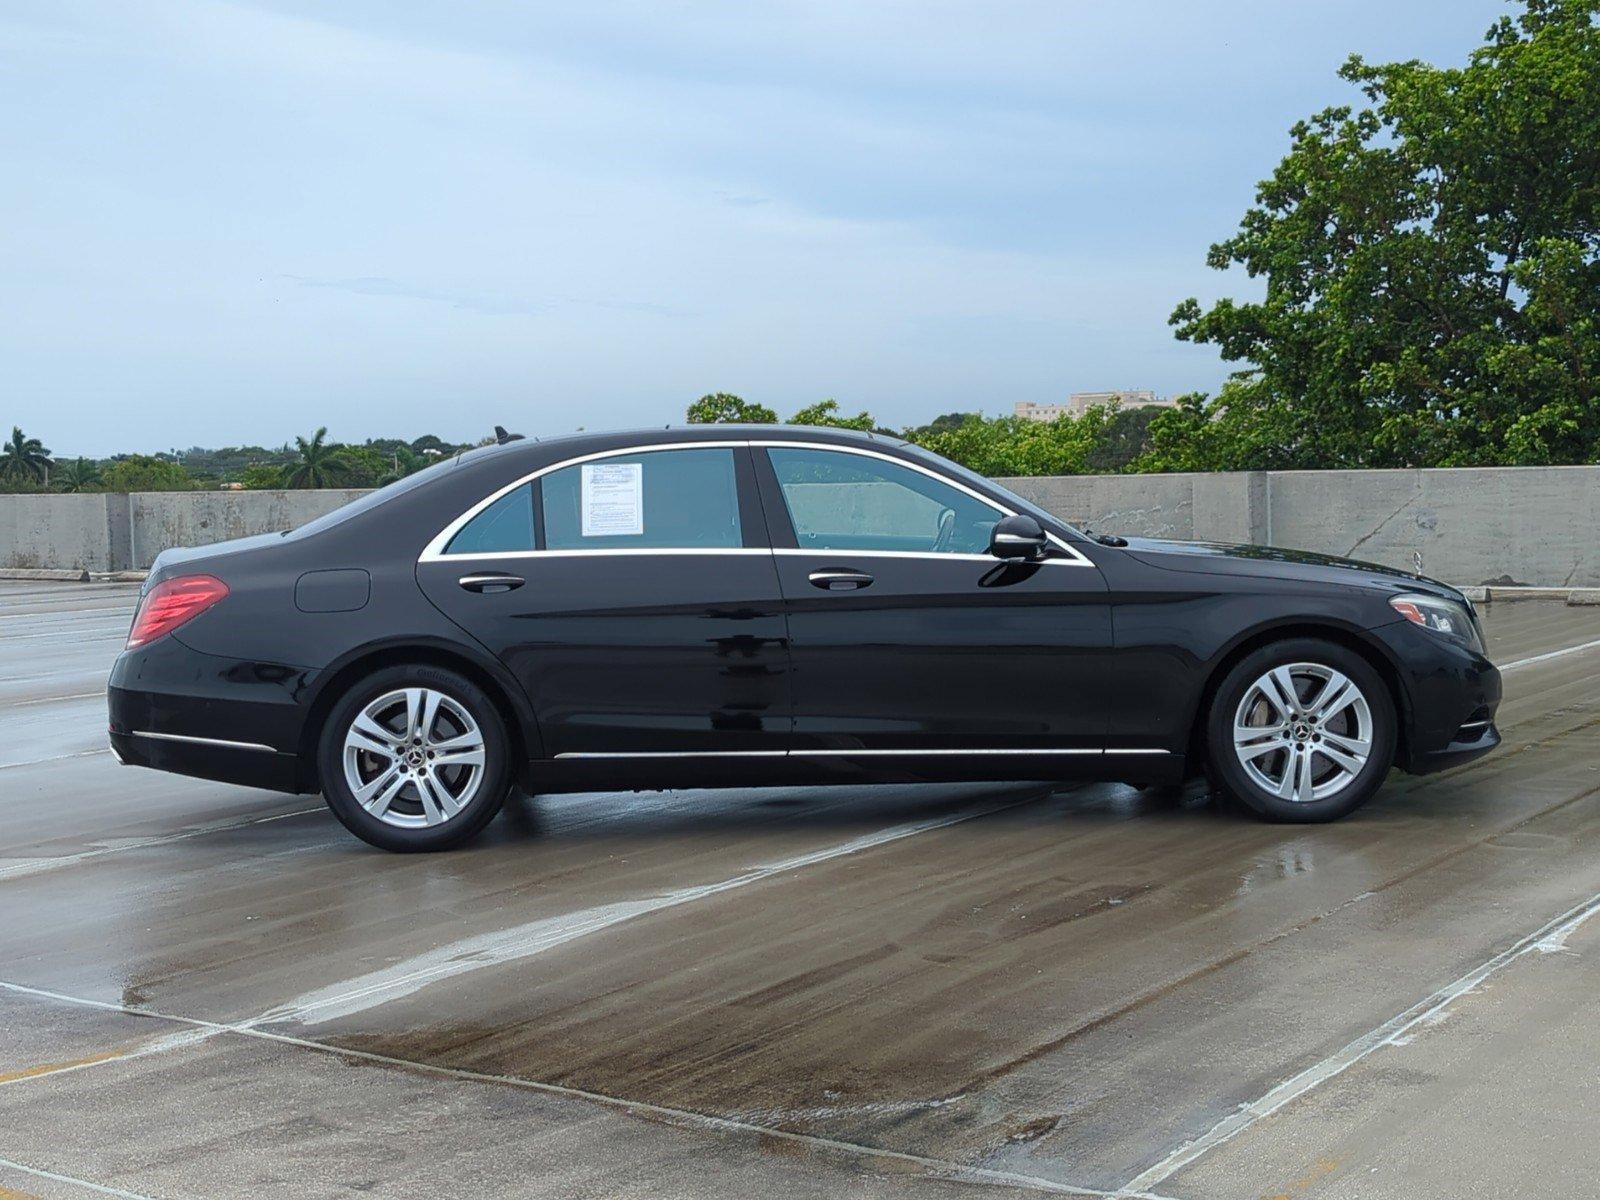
x=1272, y=562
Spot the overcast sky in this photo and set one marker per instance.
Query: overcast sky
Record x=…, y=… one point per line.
x=224, y=223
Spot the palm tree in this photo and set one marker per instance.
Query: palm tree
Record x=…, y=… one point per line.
x=79, y=475
x=24, y=459
x=319, y=464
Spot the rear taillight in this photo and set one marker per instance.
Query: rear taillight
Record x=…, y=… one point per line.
x=172, y=602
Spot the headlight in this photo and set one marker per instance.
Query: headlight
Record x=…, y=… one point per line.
x=1444, y=617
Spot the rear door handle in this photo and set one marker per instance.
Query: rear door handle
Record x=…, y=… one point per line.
x=830, y=579
x=491, y=583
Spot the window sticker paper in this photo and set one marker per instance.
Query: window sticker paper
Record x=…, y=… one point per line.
x=613, y=499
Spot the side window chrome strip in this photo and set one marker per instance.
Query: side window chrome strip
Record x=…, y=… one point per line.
x=434, y=551
x=927, y=555
x=606, y=552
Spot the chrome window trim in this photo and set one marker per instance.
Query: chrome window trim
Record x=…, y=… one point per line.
x=633, y=551
x=202, y=741
x=434, y=550
x=931, y=555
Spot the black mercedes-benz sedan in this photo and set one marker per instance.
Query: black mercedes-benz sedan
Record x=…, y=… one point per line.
x=744, y=605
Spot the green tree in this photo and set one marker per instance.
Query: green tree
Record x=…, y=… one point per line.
x=78, y=475
x=262, y=477
x=146, y=473
x=364, y=466
x=1124, y=440
x=1015, y=446
x=1431, y=266
x=24, y=459
x=944, y=421
x=318, y=463
x=826, y=412
x=721, y=408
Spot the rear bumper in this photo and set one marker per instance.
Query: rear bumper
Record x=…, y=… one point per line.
x=174, y=709
x=248, y=766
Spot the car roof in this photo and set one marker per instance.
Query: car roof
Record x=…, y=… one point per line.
x=722, y=432
x=548, y=449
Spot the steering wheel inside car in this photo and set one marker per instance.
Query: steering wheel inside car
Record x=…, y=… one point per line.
x=946, y=534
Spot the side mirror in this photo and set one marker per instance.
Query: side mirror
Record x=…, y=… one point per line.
x=1017, y=537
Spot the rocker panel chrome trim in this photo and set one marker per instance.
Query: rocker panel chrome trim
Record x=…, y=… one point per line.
x=862, y=753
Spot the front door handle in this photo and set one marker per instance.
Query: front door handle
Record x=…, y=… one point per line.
x=491, y=583
x=830, y=579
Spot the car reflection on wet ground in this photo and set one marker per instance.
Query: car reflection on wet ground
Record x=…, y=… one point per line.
x=211, y=991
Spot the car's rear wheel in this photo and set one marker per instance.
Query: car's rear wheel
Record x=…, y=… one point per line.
x=414, y=758
x=1301, y=730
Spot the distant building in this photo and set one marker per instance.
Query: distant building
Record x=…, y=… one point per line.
x=1080, y=402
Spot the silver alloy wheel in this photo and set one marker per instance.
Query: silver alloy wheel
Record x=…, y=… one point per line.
x=1303, y=732
x=413, y=758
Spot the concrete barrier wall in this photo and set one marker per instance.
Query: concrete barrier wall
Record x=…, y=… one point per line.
x=1505, y=525
x=57, y=531
x=1523, y=525
x=1535, y=525
x=162, y=519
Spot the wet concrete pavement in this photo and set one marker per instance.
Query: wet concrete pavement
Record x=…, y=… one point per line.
x=212, y=991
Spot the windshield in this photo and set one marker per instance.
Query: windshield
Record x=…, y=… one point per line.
x=1020, y=503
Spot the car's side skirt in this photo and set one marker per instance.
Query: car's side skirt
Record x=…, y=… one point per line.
x=781, y=768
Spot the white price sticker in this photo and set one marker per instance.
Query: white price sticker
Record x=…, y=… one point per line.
x=613, y=499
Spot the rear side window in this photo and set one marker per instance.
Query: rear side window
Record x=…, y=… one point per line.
x=505, y=526
x=661, y=500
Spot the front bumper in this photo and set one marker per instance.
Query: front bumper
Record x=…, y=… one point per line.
x=174, y=709
x=1450, y=695
x=1464, y=749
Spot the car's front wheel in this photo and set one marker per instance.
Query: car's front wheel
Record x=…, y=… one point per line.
x=414, y=758
x=1301, y=730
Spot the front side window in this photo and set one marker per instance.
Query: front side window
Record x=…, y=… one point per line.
x=841, y=501
x=659, y=500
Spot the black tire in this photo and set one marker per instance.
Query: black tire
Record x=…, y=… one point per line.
x=488, y=792
x=1238, y=783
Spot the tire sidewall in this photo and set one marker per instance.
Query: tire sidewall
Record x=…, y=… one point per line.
x=1224, y=763
x=496, y=768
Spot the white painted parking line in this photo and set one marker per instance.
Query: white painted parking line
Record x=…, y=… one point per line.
x=1539, y=658
x=683, y=1116
x=109, y=633
x=54, y=675
x=78, y=615
x=38, y=866
x=524, y=941
x=99, y=1188
x=1551, y=934
x=33, y=762
x=160, y=1045
x=53, y=699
